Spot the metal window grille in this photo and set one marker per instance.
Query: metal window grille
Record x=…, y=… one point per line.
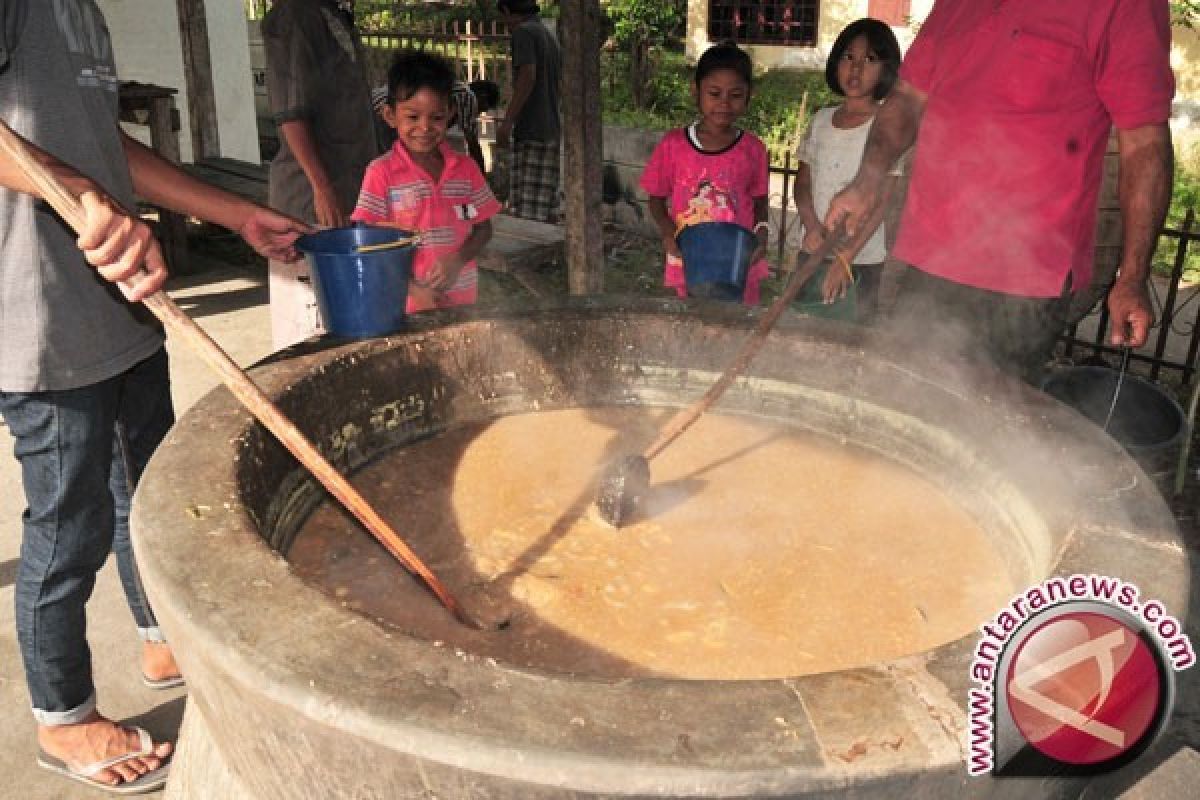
x=778, y=22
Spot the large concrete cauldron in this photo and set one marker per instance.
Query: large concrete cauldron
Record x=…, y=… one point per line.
x=292, y=695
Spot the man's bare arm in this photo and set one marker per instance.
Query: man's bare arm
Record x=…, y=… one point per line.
x=300, y=141
x=523, y=84
x=1146, y=167
x=892, y=134
x=164, y=184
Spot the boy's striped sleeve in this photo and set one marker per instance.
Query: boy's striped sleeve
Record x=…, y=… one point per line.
x=372, y=203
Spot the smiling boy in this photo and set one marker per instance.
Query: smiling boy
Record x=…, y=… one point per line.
x=424, y=185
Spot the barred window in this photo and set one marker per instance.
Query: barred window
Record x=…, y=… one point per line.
x=779, y=22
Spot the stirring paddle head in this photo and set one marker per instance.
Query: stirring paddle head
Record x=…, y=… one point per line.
x=622, y=488
x=487, y=608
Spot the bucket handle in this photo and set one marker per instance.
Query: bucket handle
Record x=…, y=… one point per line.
x=375, y=248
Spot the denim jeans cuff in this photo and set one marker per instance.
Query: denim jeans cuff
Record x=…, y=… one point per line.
x=152, y=635
x=75, y=715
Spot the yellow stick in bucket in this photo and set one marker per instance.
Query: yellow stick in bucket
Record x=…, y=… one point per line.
x=845, y=264
x=374, y=248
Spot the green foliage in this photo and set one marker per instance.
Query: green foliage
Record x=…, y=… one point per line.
x=387, y=15
x=1185, y=13
x=653, y=21
x=638, y=26
x=1185, y=195
x=669, y=98
x=775, y=108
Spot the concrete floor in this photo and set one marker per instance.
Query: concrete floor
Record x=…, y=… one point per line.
x=230, y=303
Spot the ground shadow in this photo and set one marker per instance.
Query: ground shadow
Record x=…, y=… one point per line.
x=198, y=305
x=163, y=720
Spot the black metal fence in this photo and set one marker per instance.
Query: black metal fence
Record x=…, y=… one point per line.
x=1175, y=339
x=255, y=9
x=787, y=217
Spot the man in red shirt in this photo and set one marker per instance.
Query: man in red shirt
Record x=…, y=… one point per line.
x=1010, y=105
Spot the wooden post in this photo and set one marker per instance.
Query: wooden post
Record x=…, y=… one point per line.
x=197, y=66
x=583, y=155
x=164, y=139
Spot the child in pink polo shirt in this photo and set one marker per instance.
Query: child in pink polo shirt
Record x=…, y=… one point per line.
x=712, y=170
x=424, y=185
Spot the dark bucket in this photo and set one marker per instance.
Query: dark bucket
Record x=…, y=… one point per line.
x=360, y=294
x=1146, y=421
x=809, y=300
x=716, y=256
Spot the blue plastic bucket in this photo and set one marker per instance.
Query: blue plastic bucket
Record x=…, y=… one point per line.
x=716, y=256
x=360, y=294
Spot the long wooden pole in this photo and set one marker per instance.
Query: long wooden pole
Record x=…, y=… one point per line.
x=683, y=419
x=244, y=389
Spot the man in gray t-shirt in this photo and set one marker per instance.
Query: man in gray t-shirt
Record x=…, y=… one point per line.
x=531, y=120
x=321, y=103
x=84, y=388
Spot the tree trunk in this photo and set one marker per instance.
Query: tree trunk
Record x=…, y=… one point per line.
x=639, y=71
x=579, y=34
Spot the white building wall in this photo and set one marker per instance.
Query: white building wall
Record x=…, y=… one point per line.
x=145, y=36
x=148, y=49
x=835, y=15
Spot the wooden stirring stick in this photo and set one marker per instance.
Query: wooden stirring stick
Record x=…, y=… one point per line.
x=624, y=482
x=684, y=418
x=244, y=389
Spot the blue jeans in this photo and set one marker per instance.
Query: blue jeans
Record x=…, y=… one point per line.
x=81, y=452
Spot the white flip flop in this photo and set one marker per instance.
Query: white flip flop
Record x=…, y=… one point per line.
x=151, y=781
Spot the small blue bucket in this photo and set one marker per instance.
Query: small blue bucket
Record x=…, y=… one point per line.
x=360, y=294
x=716, y=256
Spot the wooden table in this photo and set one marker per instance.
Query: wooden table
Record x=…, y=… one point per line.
x=238, y=177
x=154, y=107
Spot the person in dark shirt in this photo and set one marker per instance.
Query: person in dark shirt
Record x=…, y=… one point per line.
x=531, y=121
x=84, y=385
x=320, y=100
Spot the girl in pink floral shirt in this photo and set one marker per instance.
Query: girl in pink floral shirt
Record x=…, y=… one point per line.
x=712, y=171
